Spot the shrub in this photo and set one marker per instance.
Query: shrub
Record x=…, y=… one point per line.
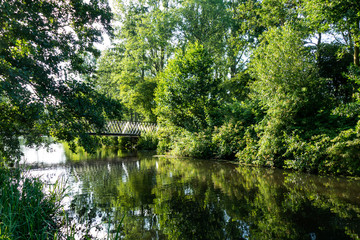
x=344, y=153
x=166, y=136
x=127, y=143
x=197, y=145
x=249, y=154
x=228, y=140
x=322, y=154
x=110, y=141
x=148, y=141
x=306, y=155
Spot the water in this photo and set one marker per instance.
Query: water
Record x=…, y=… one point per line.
x=170, y=198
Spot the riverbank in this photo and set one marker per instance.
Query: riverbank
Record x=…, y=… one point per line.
x=336, y=153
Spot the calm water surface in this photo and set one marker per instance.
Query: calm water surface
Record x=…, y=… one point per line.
x=169, y=198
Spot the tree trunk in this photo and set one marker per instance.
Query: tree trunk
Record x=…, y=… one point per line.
x=162, y=58
x=318, y=46
x=356, y=54
x=356, y=47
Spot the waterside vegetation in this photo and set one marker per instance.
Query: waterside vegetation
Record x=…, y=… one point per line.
x=47, y=55
x=272, y=83
x=26, y=211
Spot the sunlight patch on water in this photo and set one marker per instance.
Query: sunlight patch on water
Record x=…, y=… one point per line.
x=55, y=154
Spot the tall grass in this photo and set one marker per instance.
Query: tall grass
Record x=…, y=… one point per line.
x=26, y=211
x=29, y=209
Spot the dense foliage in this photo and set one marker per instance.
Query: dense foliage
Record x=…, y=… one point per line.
x=46, y=54
x=271, y=83
x=187, y=90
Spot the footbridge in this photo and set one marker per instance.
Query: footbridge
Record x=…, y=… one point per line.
x=125, y=128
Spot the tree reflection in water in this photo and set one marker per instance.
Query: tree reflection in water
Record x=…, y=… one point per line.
x=192, y=199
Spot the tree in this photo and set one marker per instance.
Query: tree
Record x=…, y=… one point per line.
x=44, y=71
x=213, y=25
x=204, y=22
x=142, y=46
x=148, y=33
x=341, y=16
x=334, y=67
x=187, y=91
x=237, y=42
x=258, y=16
x=288, y=87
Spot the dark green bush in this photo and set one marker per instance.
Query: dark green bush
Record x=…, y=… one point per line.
x=127, y=143
x=110, y=141
x=248, y=154
x=321, y=154
x=306, y=156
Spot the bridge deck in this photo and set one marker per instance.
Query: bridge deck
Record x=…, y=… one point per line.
x=125, y=128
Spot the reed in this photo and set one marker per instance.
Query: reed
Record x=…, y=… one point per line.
x=26, y=211
x=31, y=209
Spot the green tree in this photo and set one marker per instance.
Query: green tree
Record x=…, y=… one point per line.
x=142, y=46
x=204, y=22
x=213, y=25
x=341, y=16
x=187, y=91
x=149, y=31
x=236, y=42
x=258, y=16
x=288, y=87
x=44, y=47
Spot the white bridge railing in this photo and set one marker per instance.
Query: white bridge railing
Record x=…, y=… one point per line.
x=125, y=128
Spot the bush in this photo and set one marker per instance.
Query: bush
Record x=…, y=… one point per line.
x=148, y=141
x=127, y=143
x=110, y=141
x=228, y=140
x=197, y=145
x=344, y=153
x=166, y=135
x=179, y=142
x=249, y=155
x=322, y=154
x=306, y=155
